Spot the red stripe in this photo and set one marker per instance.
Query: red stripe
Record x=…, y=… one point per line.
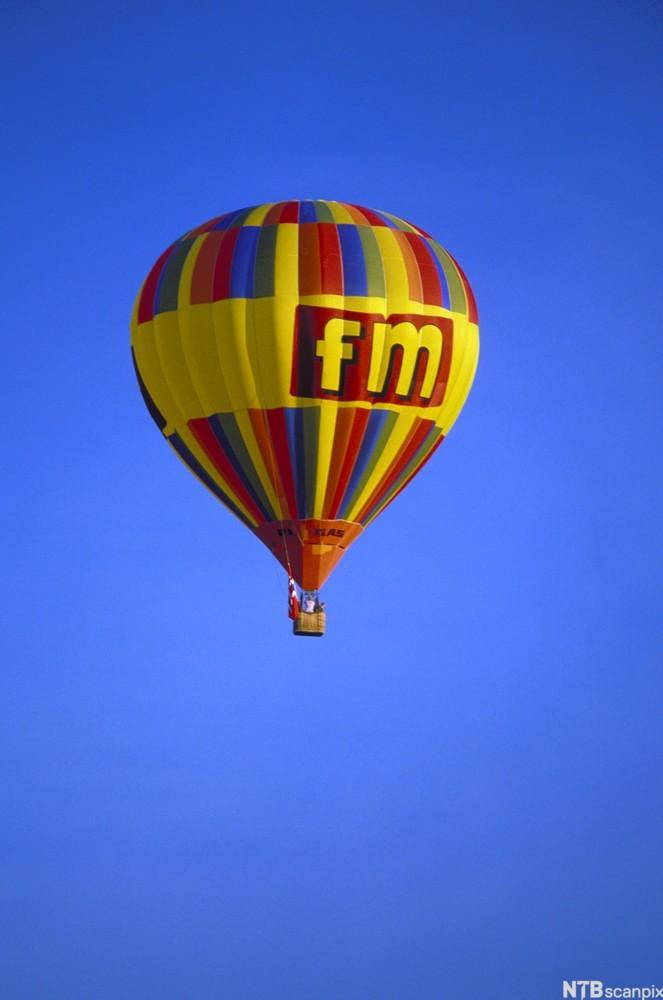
x=146, y=304
x=206, y=226
x=370, y=217
x=223, y=265
x=279, y=441
x=409, y=450
x=354, y=439
x=261, y=431
x=309, y=259
x=430, y=279
x=331, y=266
x=206, y=438
x=202, y=279
x=290, y=212
x=274, y=214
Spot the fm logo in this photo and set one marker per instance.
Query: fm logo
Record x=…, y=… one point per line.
x=346, y=355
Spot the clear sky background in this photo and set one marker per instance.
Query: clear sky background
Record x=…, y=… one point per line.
x=458, y=792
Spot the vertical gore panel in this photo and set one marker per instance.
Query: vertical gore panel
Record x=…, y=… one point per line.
x=265, y=262
x=241, y=273
x=323, y=212
x=373, y=260
x=311, y=434
x=376, y=435
x=221, y=280
x=202, y=279
x=281, y=456
x=355, y=437
x=230, y=438
x=331, y=270
x=415, y=291
x=472, y=312
x=428, y=271
x=227, y=220
x=169, y=282
x=354, y=264
x=294, y=423
x=274, y=214
x=371, y=217
x=342, y=431
x=146, y=304
x=290, y=212
x=208, y=441
x=307, y=212
x=457, y=300
x=309, y=260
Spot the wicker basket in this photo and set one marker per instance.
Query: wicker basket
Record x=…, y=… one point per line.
x=309, y=623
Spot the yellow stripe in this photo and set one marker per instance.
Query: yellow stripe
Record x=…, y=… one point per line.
x=340, y=213
x=257, y=216
x=265, y=475
x=328, y=412
x=286, y=274
x=395, y=273
x=152, y=373
x=397, y=438
x=463, y=366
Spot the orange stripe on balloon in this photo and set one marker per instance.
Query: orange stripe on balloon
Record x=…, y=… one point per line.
x=342, y=432
x=355, y=437
x=202, y=280
x=331, y=265
x=309, y=259
x=263, y=439
x=411, y=266
x=430, y=279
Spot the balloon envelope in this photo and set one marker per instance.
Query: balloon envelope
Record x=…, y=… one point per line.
x=305, y=359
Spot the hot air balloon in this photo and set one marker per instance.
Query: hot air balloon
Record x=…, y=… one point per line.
x=305, y=359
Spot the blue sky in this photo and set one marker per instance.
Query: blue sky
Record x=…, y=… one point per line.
x=457, y=793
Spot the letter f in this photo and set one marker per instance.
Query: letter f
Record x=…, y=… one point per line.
x=334, y=351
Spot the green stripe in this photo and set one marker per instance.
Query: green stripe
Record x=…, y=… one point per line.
x=231, y=429
x=400, y=223
x=170, y=282
x=323, y=211
x=263, y=282
x=311, y=429
x=373, y=261
x=379, y=447
x=239, y=221
x=456, y=290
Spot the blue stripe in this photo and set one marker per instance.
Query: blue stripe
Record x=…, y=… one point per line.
x=231, y=455
x=189, y=459
x=371, y=434
x=294, y=422
x=244, y=262
x=307, y=212
x=226, y=221
x=354, y=264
